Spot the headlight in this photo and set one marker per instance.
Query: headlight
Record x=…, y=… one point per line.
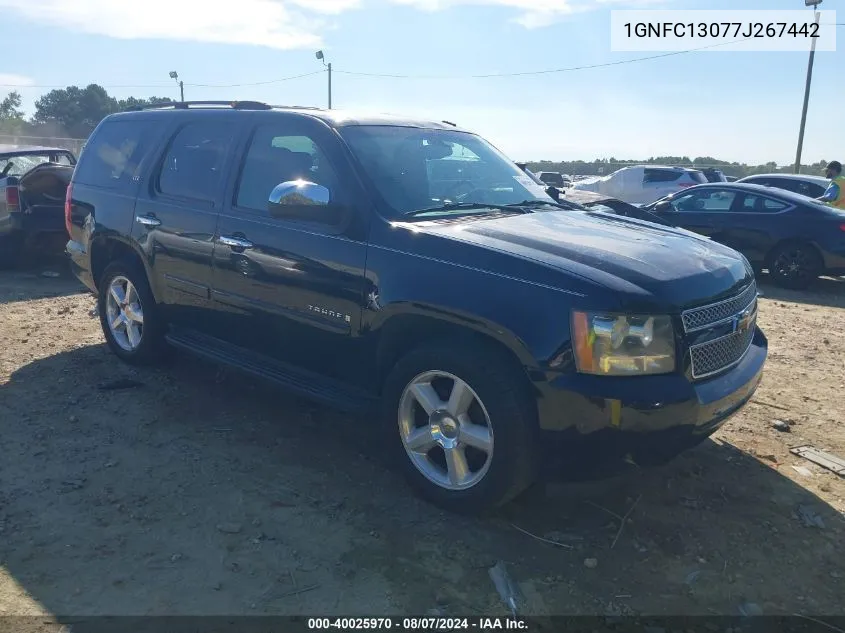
x=623, y=345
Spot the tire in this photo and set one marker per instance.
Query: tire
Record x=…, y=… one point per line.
x=496, y=400
x=795, y=265
x=147, y=345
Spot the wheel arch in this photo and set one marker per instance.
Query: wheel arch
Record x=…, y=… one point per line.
x=401, y=333
x=105, y=249
x=792, y=240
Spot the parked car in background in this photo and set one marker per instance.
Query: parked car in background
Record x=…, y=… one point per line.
x=33, y=183
x=643, y=184
x=338, y=257
x=731, y=178
x=606, y=204
x=555, y=179
x=810, y=186
x=714, y=175
x=796, y=238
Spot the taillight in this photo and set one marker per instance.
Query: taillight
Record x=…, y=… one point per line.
x=13, y=198
x=68, y=205
x=842, y=227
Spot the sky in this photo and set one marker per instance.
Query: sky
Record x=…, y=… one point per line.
x=736, y=106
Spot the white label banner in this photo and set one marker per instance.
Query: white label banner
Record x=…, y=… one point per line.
x=715, y=30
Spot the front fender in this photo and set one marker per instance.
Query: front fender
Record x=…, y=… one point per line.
x=530, y=319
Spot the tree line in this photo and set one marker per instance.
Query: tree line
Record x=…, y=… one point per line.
x=71, y=112
x=74, y=112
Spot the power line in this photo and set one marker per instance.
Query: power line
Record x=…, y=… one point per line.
x=548, y=71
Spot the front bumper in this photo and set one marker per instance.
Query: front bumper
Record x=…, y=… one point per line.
x=589, y=423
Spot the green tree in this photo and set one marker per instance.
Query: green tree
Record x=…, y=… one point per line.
x=11, y=115
x=76, y=111
x=131, y=103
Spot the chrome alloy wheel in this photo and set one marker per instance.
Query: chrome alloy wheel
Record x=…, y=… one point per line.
x=446, y=430
x=124, y=314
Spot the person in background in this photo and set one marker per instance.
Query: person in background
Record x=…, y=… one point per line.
x=835, y=194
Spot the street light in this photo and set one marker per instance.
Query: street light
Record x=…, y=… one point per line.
x=174, y=75
x=319, y=55
x=815, y=4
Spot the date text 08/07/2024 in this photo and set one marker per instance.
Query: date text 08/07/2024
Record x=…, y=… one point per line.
x=419, y=624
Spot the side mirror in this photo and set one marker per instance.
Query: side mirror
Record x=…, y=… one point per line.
x=302, y=200
x=662, y=207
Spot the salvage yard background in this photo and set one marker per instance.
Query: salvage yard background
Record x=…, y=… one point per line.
x=189, y=490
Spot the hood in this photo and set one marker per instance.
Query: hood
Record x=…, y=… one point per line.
x=655, y=264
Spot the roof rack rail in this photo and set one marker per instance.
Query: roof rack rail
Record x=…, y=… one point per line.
x=296, y=107
x=184, y=105
x=449, y=123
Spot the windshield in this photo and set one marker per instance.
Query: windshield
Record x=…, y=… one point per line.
x=19, y=165
x=414, y=169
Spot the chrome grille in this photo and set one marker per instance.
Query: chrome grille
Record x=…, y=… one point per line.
x=719, y=354
x=700, y=318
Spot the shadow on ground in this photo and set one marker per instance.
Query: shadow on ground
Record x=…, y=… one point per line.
x=826, y=291
x=192, y=491
x=37, y=279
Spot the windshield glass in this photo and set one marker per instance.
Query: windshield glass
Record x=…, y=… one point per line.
x=415, y=168
x=19, y=165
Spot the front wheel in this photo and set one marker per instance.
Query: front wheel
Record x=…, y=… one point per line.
x=461, y=427
x=795, y=265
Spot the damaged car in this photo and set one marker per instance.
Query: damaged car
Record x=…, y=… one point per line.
x=33, y=185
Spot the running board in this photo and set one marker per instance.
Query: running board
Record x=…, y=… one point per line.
x=302, y=382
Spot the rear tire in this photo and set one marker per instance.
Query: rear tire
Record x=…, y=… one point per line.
x=473, y=446
x=129, y=316
x=795, y=265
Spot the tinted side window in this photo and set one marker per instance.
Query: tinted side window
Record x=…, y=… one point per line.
x=705, y=201
x=759, y=204
x=805, y=188
x=112, y=157
x=193, y=166
x=661, y=175
x=276, y=156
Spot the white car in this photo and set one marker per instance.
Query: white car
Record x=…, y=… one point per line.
x=810, y=186
x=643, y=184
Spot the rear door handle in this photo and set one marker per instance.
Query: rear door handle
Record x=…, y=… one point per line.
x=235, y=242
x=148, y=220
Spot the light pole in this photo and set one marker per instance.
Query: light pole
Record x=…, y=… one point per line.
x=815, y=4
x=319, y=55
x=175, y=75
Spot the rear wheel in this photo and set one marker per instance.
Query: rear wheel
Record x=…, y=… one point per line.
x=795, y=265
x=128, y=314
x=461, y=427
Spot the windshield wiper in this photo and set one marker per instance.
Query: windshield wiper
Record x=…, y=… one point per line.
x=533, y=204
x=468, y=206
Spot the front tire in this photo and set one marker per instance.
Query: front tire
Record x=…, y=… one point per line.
x=129, y=316
x=461, y=427
x=795, y=265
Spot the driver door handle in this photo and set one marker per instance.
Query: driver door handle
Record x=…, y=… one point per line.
x=235, y=242
x=148, y=220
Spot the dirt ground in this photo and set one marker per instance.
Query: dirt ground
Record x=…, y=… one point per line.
x=197, y=491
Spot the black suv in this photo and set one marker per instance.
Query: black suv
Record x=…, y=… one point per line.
x=410, y=271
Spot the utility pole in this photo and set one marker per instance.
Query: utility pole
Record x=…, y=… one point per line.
x=797, y=169
x=175, y=76
x=319, y=55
